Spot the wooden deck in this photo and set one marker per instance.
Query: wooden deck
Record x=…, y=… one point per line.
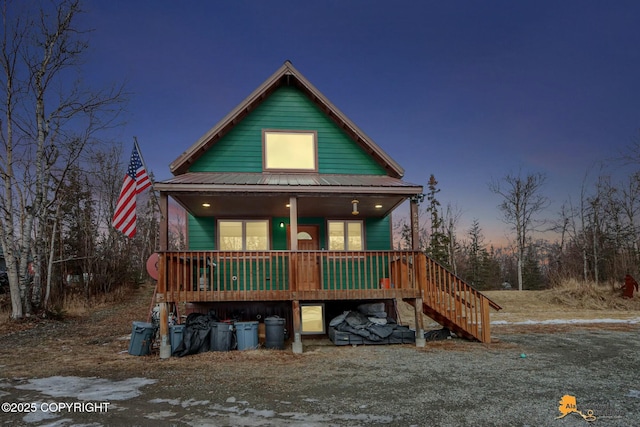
x=219, y=276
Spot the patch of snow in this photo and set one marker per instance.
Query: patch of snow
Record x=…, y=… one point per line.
x=234, y=400
x=566, y=321
x=160, y=415
x=92, y=388
x=38, y=415
x=264, y=413
x=193, y=402
x=234, y=413
x=174, y=402
x=633, y=393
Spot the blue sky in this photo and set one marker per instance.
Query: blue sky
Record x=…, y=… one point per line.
x=466, y=90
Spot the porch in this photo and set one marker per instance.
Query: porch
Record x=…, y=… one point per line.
x=299, y=276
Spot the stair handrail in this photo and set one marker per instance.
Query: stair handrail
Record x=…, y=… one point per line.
x=478, y=293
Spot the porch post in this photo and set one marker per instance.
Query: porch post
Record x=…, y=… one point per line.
x=415, y=243
x=297, y=328
x=293, y=231
x=165, y=346
x=293, y=243
x=164, y=221
x=420, y=341
x=293, y=223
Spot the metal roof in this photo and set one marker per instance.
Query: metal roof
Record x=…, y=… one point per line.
x=278, y=182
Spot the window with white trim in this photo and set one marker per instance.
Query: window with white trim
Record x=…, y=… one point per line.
x=243, y=235
x=345, y=235
x=290, y=150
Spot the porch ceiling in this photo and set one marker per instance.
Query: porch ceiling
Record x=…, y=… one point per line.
x=264, y=205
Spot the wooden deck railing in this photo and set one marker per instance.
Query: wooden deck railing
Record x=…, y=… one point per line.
x=208, y=276
x=285, y=275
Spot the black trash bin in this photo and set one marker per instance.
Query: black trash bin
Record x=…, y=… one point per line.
x=221, y=336
x=274, y=332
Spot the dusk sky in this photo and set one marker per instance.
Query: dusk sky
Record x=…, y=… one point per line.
x=465, y=90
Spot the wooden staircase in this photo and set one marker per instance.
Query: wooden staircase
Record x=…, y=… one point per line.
x=452, y=302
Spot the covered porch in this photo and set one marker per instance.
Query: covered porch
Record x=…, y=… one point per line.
x=300, y=271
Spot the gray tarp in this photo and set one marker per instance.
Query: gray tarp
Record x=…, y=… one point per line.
x=359, y=324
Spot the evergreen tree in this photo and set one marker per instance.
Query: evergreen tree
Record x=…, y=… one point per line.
x=475, y=253
x=438, y=240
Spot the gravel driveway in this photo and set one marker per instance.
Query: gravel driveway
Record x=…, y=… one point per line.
x=517, y=381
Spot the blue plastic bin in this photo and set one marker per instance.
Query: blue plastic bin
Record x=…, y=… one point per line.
x=247, y=335
x=142, y=335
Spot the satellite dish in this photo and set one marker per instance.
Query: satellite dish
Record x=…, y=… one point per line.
x=152, y=266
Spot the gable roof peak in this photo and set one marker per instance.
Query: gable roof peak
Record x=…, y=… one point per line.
x=286, y=74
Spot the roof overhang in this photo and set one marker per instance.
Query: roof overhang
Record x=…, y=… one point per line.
x=268, y=195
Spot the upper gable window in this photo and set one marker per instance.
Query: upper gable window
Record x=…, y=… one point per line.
x=290, y=151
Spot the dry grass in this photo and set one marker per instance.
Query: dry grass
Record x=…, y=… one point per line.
x=575, y=294
x=570, y=300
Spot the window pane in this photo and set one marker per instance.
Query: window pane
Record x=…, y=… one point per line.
x=336, y=236
x=354, y=231
x=257, y=236
x=289, y=150
x=230, y=235
x=312, y=321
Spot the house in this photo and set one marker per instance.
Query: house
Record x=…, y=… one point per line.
x=289, y=213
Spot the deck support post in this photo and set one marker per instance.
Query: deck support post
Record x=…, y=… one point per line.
x=297, y=328
x=165, y=346
x=420, y=341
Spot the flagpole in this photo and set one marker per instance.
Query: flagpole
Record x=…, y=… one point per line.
x=135, y=142
x=153, y=191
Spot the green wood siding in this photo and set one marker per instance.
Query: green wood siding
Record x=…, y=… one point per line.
x=378, y=234
x=340, y=275
x=271, y=273
x=240, y=150
x=202, y=233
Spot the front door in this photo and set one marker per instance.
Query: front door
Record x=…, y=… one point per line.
x=308, y=270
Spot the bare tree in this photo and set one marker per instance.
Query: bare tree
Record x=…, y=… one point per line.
x=522, y=202
x=48, y=119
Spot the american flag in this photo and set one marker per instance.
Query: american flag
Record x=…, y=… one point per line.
x=135, y=182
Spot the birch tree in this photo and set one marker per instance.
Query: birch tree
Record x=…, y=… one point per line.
x=522, y=201
x=48, y=119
